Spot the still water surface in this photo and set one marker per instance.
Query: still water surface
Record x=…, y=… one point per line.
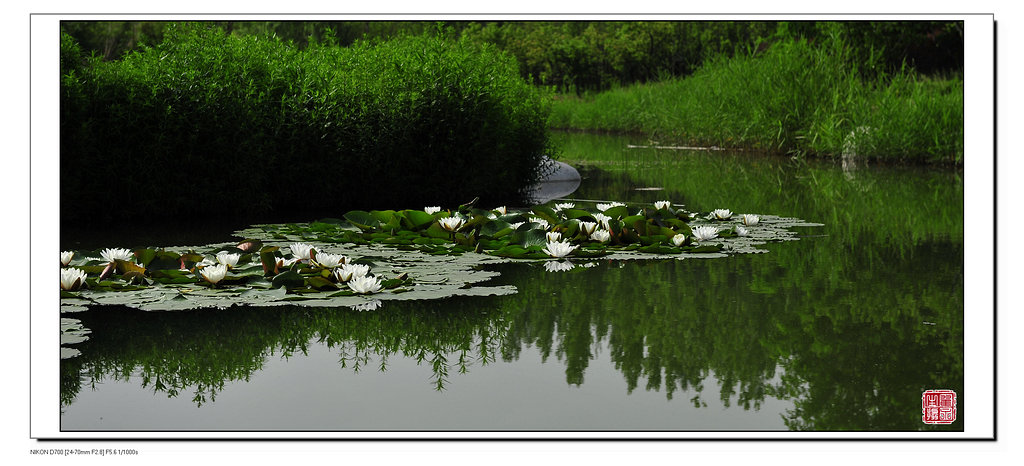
x=839, y=331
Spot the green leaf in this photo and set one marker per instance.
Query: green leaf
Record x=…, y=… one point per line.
x=417, y=219
x=362, y=220
x=492, y=228
x=145, y=256
x=530, y=237
x=547, y=213
x=288, y=279
x=617, y=212
x=579, y=215
x=321, y=283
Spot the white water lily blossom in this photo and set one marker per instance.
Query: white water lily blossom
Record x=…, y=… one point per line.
x=348, y=272
x=602, y=236
x=554, y=236
x=564, y=205
x=559, y=266
x=65, y=257
x=330, y=261
x=543, y=223
x=603, y=219
x=740, y=231
x=228, y=259
x=451, y=223
x=214, y=273
x=721, y=214
x=302, y=251
x=283, y=263
x=705, y=233
x=662, y=204
x=112, y=254
x=72, y=278
x=365, y=284
x=588, y=228
x=559, y=248
x=515, y=226
x=750, y=220
x=501, y=210
x=679, y=239
x=432, y=209
x=368, y=306
x=604, y=207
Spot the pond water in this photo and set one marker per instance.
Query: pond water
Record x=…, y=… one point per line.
x=841, y=330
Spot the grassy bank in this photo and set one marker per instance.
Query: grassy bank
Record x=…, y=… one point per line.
x=211, y=125
x=794, y=98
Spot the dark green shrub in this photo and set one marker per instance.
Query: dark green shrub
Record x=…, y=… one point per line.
x=211, y=125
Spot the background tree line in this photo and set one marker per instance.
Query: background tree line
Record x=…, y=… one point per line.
x=581, y=56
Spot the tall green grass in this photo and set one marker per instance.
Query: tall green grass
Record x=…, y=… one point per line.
x=794, y=98
x=207, y=124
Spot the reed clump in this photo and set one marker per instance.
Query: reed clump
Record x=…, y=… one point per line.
x=793, y=98
x=207, y=124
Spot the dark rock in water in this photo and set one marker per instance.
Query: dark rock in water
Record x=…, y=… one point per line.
x=563, y=181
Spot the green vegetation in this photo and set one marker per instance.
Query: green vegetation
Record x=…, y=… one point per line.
x=207, y=124
x=581, y=56
x=794, y=98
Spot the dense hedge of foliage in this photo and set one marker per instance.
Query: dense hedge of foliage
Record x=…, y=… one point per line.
x=209, y=124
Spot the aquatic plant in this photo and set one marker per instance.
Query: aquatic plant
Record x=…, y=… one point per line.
x=115, y=254
x=414, y=255
x=559, y=248
x=750, y=219
x=214, y=273
x=365, y=284
x=71, y=278
x=65, y=257
x=704, y=233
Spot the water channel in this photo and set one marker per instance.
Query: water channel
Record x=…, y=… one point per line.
x=841, y=330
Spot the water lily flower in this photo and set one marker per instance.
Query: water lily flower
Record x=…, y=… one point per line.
x=559, y=248
x=365, y=284
x=214, y=273
x=72, y=278
x=112, y=254
x=740, y=231
x=603, y=219
x=554, y=236
x=451, y=223
x=705, y=233
x=662, y=204
x=348, y=272
x=330, y=261
x=559, y=266
x=679, y=239
x=65, y=257
x=721, y=214
x=303, y=252
x=283, y=263
x=604, y=207
x=368, y=306
x=501, y=210
x=564, y=205
x=432, y=209
x=515, y=226
x=543, y=223
x=228, y=259
x=602, y=236
x=750, y=220
x=588, y=228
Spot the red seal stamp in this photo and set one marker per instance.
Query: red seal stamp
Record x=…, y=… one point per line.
x=938, y=406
